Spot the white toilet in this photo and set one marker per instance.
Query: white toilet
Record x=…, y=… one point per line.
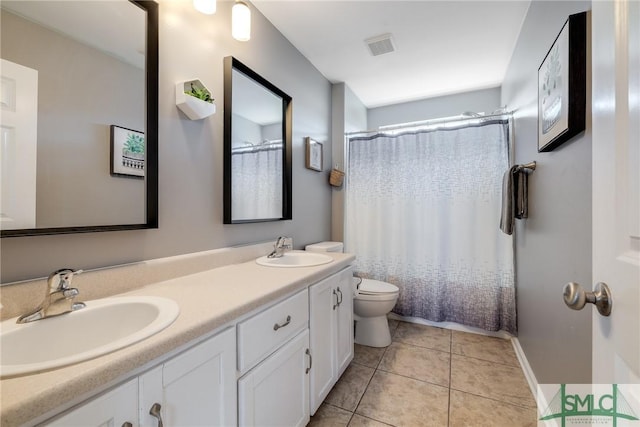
x=372, y=301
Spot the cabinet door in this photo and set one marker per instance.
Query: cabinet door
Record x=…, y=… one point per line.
x=276, y=392
x=195, y=388
x=114, y=408
x=344, y=323
x=323, y=303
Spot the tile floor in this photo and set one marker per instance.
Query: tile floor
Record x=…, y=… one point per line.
x=431, y=377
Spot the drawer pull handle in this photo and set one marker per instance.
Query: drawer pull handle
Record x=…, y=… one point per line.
x=308, y=353
x=276, y=326
x=340, y=300
x=336, y=295
x=155, y=412
x=127, y=424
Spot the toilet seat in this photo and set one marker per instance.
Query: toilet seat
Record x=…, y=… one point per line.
x=376, y=290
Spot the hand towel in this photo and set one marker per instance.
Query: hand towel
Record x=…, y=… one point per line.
x=515, y=198
x=508, y=209
x=521, y=201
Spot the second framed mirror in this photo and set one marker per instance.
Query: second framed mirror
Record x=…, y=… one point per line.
x=257, y=147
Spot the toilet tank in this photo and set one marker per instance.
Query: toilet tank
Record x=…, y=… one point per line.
x=325, y=247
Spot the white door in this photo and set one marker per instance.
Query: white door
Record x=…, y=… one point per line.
x=323, y=303
x=115, y=408
x=276, y=392
x=195, y=388
x=344, y=327
x=616, y=188
x=18, y=139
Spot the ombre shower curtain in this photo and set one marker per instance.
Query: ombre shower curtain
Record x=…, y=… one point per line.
x=422, y=212
x=257, y=176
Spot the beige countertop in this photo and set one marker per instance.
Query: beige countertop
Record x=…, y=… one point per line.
x=209, y=302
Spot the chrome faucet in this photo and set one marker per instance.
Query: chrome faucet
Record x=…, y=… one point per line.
x=282, y=244
x=59, y=298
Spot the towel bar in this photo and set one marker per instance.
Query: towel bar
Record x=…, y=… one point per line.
x=530, y=166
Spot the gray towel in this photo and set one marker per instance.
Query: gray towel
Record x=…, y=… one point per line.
x=521, y=192
x=514, y=198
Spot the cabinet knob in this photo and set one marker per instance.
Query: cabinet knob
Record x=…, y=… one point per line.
x=155, y=412
x=127, y=424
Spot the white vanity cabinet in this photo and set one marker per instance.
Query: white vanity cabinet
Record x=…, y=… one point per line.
x=271, y=367
x=274, y=361
x=197, y=387
x=331, y=328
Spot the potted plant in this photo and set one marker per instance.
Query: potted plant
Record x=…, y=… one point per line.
x=194, y=99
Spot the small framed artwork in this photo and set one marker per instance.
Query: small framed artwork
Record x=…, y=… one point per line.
x=127, y=152
x=562, y=84
x=314, y=155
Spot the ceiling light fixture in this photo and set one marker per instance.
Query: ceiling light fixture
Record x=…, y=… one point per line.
x=207, y=7
x=241, y=21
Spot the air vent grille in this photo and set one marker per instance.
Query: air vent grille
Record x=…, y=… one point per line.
x=380, y=45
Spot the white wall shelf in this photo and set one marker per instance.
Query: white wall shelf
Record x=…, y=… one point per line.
x=194, y=108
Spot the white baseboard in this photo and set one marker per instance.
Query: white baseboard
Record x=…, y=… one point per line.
x=526, y=368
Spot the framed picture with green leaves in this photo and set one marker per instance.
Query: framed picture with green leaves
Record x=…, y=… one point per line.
x=127, y=152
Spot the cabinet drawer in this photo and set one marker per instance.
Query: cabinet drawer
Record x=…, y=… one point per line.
x=262, y=334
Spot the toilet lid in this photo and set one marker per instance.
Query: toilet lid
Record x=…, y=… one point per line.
x=370, y=286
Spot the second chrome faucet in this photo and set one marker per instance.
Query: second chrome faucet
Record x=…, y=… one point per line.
x=282, y=244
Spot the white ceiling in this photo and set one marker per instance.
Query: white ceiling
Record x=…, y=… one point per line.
x=442, y=47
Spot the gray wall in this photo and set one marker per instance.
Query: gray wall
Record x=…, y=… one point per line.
x=553, y=246
x=486, y=100
x=193, y=45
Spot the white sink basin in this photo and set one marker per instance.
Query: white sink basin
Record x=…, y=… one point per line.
x=296, y=259
x=103, y=326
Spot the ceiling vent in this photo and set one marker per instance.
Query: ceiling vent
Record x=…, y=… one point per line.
x=380, y=45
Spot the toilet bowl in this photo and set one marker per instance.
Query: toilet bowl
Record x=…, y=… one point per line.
x=372, y=301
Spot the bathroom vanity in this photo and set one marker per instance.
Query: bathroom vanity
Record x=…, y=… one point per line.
x=253, y=345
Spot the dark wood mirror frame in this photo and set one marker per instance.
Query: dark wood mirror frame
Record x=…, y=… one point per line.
x=151, y=140
x=230, y=64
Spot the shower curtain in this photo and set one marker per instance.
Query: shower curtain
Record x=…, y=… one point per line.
x=257, y=177
x=422, y=212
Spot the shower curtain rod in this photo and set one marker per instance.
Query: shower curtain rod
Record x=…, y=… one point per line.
x=271, y=145
x=429, y=122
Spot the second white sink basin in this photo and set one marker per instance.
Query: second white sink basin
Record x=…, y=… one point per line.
x=295, y=259
x=101, y=327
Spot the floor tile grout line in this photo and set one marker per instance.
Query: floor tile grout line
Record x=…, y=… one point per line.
x=368, y=384
x=494, y=399
x=490, y=361
x=373, y=419
x=412, y=378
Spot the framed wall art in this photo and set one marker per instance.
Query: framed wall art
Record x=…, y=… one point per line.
x=562, y=84
x=127, y=152
x=314, y=155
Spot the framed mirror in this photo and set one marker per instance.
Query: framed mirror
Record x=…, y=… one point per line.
x=79, y=131
x=257, y=147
